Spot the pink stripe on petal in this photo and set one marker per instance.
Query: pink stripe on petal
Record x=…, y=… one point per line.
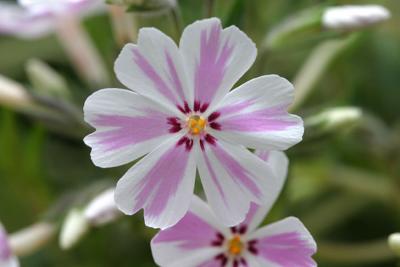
x=263, y=154
x=153, y=76
x=210, y=70
x=250, y=215
x=214, y=177
x=269, y=119
x=5, y=251
x=174, y=76
x=128, y=130
x=162, y=181
x=212, y=263
x=236, y=170
x=287, y=249
x=235, y=108
x=190, y=233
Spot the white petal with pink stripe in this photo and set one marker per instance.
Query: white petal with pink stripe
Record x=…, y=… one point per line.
x=154, y=68
x=232, y=178
x=215, y=58
x=255, y=115
x=127, y=125
x=162, y=184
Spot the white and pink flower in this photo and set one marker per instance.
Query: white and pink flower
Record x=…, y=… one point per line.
x=180, y=115
x=60, y=7
x=37, y=18
x=200, y=240
x=7, y=259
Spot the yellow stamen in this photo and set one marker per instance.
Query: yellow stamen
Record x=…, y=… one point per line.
x=235, y=246
x=196, y=124
x=195, y=131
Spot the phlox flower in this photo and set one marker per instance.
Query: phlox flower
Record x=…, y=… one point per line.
x=7, y=259
x=180, y=115
x=200, y=240
x=102, y=209
x=37, y=18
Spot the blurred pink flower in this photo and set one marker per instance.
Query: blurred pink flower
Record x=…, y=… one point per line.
x=200, y=240
x=34, y=19
x=180, y=112
x=7, y=259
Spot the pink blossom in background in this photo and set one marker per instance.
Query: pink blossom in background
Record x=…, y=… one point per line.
x=200, y=240
x=180, y=116
x=35, y=19
x=7, y=259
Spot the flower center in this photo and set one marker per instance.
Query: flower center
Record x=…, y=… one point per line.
x=196, y=124
x=235, y=246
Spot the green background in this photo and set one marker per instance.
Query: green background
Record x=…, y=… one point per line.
x=344, y=185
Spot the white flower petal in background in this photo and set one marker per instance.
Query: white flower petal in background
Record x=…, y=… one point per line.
x=74, y=227
x=394, y=243
x=102, y=209
x=62, y=7
x=354, y=17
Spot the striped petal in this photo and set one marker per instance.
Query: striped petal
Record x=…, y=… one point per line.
x=161, y=183
x=127, y=125
x=255, y=115
x=278, y=162
x=232, y=178
x=215, y=58
x=285, y=243
x=154, y=68
x=190, y=241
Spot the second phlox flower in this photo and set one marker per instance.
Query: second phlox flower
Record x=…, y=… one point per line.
x=200, y=240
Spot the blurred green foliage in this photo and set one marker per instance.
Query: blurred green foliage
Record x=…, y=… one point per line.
x=345, y=186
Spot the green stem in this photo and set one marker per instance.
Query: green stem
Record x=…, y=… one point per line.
x=332, y=212
x=315, y=67
x=376, y=186
x=309, y=19
x=177, y=20
x=209, y=8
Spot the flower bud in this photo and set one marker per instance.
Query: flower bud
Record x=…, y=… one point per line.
x=14, y=95
x=144, y=5
x=394, y=243
x=75, y=226
x=333, y=119
x=102, y=209
x=45, y=80
x=354, y=17
x=29, y=240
